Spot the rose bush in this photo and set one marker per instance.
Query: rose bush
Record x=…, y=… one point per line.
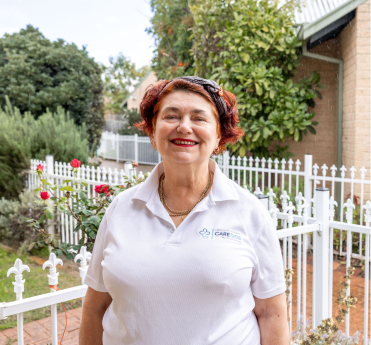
x=70, y=198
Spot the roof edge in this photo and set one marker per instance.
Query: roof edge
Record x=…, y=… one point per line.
x=136, y=87
x=310, y=29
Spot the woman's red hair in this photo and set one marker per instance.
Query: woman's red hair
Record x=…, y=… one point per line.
x=155, y=93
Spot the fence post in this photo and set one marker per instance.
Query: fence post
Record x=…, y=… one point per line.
x=308, y=163
x=321, y=257
x=226, y=163
x=49, y=159
x=136, y=147
x=117, y=147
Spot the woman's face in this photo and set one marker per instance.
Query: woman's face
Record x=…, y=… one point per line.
x=186, y=128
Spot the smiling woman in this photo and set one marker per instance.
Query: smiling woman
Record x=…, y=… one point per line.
x=187, y=257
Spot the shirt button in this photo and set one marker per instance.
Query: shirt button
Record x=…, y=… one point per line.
x=171, y=229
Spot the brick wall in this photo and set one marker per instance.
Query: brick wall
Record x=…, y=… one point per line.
x=355, y=51
x=323, y=144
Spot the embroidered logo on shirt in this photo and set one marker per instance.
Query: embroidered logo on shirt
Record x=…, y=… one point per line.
x=224, y=234
x=227, y=235
x=204, y=233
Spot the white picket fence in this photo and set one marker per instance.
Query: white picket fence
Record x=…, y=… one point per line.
x=257, y=174
x=293, y=235
x=127, y=148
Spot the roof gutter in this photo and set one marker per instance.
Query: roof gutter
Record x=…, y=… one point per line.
x=310, y=29
x=339, y=62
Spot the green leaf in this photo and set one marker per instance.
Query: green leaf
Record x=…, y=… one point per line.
x=69, y=256
x=83, y=196
x=242, y=151
x=49, y=215
x=67, y=181
x=60, y=208
x=42, y=219
x=256, y=136
x=68, y=189
x=259, y=90
x=49, y=240
x=31, y=245
x=246, y=58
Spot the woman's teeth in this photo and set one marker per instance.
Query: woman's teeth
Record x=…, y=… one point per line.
x=184, y=142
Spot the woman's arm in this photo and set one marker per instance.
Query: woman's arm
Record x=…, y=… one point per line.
x=272, y=319
x=94, y=307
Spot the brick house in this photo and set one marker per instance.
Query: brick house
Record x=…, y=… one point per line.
x=337, y=31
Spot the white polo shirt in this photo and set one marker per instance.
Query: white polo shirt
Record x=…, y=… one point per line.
x=191, y=285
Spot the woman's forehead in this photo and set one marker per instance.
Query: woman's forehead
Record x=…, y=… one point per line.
x=183, y=101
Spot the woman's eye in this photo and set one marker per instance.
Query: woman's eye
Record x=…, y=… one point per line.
x=200, y=119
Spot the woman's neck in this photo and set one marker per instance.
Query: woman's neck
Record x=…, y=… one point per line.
x=184, y=184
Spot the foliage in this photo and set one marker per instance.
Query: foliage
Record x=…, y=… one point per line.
x=70, y=198
x=171, y=30
x=328, y=331
x=38, y=75
x=36, y=284
x=132, y=116
x=13, y=215
x=120, y=77
x=24, y=137
x=250, y=48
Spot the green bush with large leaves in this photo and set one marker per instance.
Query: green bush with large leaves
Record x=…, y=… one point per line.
x=23, y=137
x=37, y=74
x=250, y=48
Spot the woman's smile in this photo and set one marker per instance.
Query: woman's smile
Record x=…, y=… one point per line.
x=184, y=142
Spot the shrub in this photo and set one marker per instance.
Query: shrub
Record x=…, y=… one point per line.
x=73, y=201
x=38, y=74
x=13, y=214
x=23, y=138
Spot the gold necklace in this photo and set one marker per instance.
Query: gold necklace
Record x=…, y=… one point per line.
x=183, y=214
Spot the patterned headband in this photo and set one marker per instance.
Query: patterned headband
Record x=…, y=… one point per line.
x=212, y=88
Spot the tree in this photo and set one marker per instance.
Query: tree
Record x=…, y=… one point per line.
x=171, y=28
x=37, y=74
x=120, y=77
x=250, y=48
x=132, y=117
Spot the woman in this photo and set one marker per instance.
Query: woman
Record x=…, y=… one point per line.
x=188, y=257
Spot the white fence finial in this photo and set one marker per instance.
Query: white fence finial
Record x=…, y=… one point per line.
x=349, y=212
x=290, y=211
x=17, y=269
x=284, y=198
x=299, y=202
x=367, y=208
x=258, y=191
x=271, y=196
x=332, y=204
x=84, y=256
x=273, y=212
x=52, y=264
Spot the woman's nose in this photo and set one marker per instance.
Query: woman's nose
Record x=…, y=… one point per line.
x=184, y=127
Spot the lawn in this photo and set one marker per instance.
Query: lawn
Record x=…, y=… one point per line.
x=36, y=284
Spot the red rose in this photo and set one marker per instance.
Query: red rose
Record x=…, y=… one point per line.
x=122, y=186
x=44, y=195
x=134, y=164
x=102, y=188
x=75, y=163
x=40, y=167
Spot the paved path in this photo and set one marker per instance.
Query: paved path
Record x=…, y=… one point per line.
x=106, y=163
x=39, y=332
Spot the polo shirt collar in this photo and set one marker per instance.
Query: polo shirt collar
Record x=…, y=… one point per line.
x=221, y=190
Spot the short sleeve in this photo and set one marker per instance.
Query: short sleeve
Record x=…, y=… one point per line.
x=267, y=277
x=94, y=276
